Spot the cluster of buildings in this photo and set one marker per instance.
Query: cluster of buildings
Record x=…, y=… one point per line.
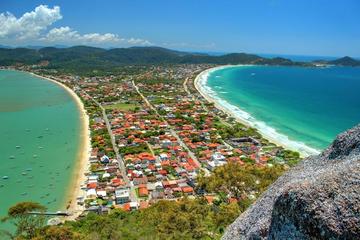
x=156, y=164
x=155, y=150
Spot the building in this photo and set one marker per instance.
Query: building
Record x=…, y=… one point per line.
x=211, y=165
x=122, y=195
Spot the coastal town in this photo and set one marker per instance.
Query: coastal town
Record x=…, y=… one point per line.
x=179, y=120
x=153, y=134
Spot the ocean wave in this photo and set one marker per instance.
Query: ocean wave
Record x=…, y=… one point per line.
x=267, y=131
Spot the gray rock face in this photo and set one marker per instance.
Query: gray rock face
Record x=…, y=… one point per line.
x=317, y=199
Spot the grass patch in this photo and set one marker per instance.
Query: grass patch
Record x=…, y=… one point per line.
x=122, y=106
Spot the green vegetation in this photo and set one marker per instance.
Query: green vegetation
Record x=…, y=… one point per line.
x=183, y=219
x=91, y=61
x=186, y=219
x=134, y=149
x=122, y=106
x=240, y=181
x=25, y=223
x=237, y=130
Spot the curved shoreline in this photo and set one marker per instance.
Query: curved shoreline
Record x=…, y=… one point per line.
x=245, y=118
x=82, y=160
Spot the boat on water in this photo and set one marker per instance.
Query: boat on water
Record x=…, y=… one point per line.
x=5, y=177
x=18, y=147
x=12, y=157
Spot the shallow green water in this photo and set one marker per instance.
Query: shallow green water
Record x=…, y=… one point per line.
x=39, y=129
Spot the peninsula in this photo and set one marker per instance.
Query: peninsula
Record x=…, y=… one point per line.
x=156, y=150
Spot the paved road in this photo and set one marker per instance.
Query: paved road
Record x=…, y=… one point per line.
x=185, y=86
x=133, y=196
x=172, y=131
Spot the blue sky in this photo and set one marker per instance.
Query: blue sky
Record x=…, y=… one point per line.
x=306, y=27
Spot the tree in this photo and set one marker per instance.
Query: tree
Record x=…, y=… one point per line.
x=57, y=233
x=239, y=180
x=226, y=214
x=26, y=224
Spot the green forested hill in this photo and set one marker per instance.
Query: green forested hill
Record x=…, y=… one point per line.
x=83, y=58
x=91, y=56
x=346, y=61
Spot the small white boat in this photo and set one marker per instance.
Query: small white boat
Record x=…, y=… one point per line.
x=5, y=177
x=18, y=147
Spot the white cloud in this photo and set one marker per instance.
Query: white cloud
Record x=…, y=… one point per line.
x=67, y=35
x=29, y=25
x=138, y=41
x=32, y=27
x=96, y=37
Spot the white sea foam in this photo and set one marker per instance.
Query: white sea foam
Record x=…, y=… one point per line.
x=267, y=131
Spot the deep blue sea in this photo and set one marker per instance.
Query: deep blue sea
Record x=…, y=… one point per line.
x=297, y=106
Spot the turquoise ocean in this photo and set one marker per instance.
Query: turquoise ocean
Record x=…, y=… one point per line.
x=40, y=140
x=303, y=108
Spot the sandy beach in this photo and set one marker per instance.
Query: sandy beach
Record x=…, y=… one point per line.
x=82, y=164
x=245, y=117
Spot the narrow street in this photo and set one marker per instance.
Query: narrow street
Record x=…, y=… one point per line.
x=172, y=131
x=133, y=196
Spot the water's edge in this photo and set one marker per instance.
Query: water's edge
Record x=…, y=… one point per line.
x=246, y=118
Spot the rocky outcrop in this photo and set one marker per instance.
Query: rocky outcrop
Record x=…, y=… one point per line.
x=317, y=199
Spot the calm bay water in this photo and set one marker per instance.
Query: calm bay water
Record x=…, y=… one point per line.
x=39, y=129
x=309, y=105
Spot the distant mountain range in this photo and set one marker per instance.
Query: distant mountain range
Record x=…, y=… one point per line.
x=92, y=57
x=346, y=61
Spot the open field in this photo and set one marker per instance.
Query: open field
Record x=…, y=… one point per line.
x=121, y=106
